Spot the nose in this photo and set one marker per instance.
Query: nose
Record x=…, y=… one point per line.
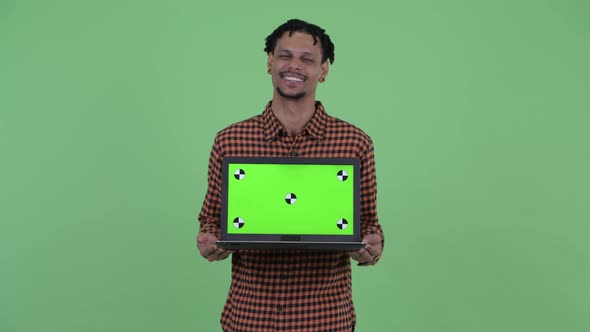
x=294, y=64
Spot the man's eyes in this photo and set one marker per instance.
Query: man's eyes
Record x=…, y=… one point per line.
x=285, y=56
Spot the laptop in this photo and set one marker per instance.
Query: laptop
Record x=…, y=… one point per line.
x=290, y=203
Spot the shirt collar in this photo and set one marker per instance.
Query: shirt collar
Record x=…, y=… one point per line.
x=315, y=127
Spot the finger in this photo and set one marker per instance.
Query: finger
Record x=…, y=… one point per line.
x=208, y=250
x=373, y=250
x=365, y=258
x=354, y=255
x=361, y=256
x=218, y=254
x=224, y=255
x=212, y=256
x=363, y=252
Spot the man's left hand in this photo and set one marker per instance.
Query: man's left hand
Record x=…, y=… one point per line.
x=370, y=252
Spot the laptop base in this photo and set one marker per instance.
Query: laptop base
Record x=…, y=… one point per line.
x=344, y=246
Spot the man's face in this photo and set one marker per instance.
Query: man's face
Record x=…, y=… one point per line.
x=296, y=65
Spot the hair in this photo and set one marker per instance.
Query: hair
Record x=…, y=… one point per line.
x=315, y=31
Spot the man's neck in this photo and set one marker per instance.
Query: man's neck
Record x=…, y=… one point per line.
x=293, y=114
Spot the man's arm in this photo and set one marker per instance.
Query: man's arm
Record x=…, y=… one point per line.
x=371, y=231
x=209, y=216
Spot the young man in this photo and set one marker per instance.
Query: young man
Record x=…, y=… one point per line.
x=292, y=290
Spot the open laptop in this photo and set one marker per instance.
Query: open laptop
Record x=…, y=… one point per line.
x=288, y=202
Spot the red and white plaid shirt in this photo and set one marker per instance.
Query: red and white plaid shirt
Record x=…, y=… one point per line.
x=291, y=290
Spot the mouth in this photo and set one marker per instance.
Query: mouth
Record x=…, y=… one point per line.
x=292, y=77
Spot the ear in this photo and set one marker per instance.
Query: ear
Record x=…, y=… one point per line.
x=325, y=69
x=269, y=62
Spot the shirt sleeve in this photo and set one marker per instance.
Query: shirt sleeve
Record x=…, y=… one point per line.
x=369, y=220
x=210, y=215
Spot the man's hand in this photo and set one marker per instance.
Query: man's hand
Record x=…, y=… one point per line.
x=207, y=244
x=372, y=249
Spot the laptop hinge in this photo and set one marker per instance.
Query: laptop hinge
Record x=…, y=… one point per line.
x=290, y=237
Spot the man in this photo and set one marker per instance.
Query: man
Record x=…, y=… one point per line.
x=292, y=290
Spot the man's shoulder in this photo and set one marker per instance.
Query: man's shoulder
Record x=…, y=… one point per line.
x=242, y=127
x=338, y=127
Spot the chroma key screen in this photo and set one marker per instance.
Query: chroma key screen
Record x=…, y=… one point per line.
x=302, y=199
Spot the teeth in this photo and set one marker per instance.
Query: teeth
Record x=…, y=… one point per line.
x=293, y=79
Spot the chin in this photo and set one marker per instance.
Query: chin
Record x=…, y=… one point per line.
x=295, y=96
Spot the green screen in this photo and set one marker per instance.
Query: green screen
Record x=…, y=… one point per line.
x=290, y=199
x=479, y=112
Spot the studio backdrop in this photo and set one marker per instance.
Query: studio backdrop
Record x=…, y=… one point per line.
x=479, y=112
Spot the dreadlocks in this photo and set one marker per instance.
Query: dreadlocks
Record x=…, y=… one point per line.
x=301, y=26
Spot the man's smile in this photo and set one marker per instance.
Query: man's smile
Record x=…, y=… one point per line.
x=292, y=77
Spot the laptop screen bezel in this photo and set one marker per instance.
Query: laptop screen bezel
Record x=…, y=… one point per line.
x=227, y=161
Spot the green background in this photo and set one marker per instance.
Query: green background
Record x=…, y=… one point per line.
x=321, y=199
x=479, y=111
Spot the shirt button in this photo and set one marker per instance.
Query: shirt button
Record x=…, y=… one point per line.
x=280, y=307
x=294, y=153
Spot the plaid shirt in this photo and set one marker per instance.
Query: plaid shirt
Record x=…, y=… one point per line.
x=290, y=290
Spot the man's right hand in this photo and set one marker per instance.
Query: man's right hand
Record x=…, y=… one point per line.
x=207, y=244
